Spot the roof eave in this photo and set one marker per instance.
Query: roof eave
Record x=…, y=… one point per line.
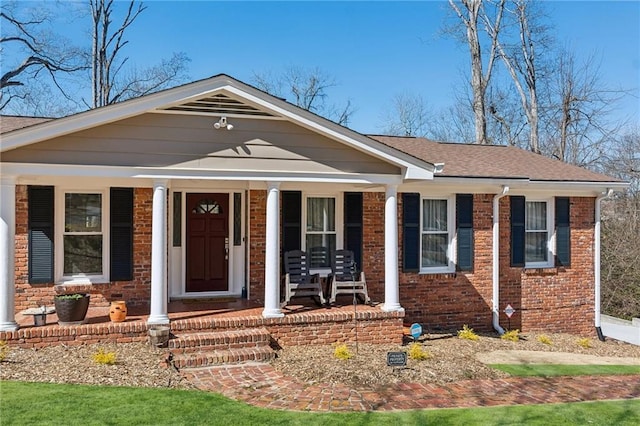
x=519, y=183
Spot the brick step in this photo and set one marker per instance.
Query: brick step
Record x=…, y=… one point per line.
x=218, y=357
x=219, y=340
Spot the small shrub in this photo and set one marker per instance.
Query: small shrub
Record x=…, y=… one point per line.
x=511, y=335
x=417, y=352
x=467, y=333
x=4, y=350
x=543, y=338
x=105, y=358
x=73, y=296
x=584, y=342
x=342, y=352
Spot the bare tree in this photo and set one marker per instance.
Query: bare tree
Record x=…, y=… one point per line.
x=506, y=124
x=579, y=127
x=452, y=124
x=40, y=54
x=308, y=88
x=472, y=13
x=621, y=232
x=521, y=60
x=408, y=117
x=111, y=83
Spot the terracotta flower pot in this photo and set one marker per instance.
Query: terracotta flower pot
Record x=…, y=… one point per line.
x=118, y=311
x=71, y=308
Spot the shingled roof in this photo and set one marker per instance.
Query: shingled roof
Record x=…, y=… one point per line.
x=491, y=161
x=460, y=160
x=15, y=122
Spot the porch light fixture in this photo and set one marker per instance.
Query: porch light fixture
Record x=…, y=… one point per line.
x=222, y=123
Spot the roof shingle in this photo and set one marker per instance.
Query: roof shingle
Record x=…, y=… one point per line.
x=491, y=161
x=9, y=123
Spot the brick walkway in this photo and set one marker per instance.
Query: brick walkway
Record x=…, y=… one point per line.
x=262, y=386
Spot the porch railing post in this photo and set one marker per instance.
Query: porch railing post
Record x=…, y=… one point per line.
x=272, y=254
x=391, y=284
x=7, y=253
x=158, y=314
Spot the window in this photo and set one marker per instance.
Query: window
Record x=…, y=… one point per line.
x=320, y=230
x=436, y=229
x=83, y=234
x=537, y=234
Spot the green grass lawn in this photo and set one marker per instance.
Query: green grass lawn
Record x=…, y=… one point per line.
x=547, y=370
x=52, y=404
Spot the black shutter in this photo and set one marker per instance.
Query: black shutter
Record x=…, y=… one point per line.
x=121, y=234
x=291, y=220
x=517, y=230
x=353, y=225
x=563, y=232
x=41, y=205
x=464, y=225
x=410, y=232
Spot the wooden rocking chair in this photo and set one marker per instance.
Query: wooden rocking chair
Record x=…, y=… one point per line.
x=345, y=279
x=299, y=282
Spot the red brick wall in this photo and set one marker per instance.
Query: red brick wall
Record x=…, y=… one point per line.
x=329, y=331
x=553, y=299
x=135, y=292
x=257, y=224
x=373, y=243
x=447, y=301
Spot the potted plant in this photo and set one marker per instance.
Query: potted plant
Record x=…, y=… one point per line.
x=71, y=308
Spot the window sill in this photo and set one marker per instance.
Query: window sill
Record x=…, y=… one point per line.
x=540, y=270
x=76, y=285
x=444, y=272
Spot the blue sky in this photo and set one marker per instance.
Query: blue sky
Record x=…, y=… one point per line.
x=373, y=49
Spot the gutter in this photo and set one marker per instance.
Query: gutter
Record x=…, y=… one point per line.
x=596, y=262
x=496, y=260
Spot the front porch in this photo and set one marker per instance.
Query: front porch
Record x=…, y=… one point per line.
x=303, y=323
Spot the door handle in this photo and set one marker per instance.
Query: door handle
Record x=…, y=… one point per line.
x=226, y=248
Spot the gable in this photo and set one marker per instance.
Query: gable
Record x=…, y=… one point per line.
x=213, y=98
x=179, y=141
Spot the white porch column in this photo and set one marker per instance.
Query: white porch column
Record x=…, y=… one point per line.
x=391, y=281
x=158, y=313
x=7, y=253
x=272, y=254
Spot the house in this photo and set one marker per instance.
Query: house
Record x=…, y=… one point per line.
x=197, y=191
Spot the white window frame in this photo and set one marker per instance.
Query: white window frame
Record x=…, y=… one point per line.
x=339, y=224
x=59, y=213
x=550, y=233
x=451, y=231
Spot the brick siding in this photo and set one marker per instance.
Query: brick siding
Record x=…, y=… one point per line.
x=136, y=292
x=550, y=299
x=257, y=242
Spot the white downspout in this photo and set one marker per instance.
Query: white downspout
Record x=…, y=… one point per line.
x=596, y=261
x=496, y=260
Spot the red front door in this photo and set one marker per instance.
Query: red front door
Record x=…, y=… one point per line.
x=207, y=242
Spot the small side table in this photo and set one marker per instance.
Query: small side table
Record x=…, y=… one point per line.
x=39, y=314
